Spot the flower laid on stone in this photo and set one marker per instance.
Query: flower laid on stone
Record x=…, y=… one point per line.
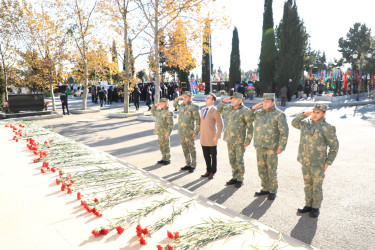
x=169, y=219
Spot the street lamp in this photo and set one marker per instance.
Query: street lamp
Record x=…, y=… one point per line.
x=355, y=57
x=369, y=54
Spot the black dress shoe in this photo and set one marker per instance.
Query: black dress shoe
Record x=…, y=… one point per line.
x=304, y=209
x=191, y=170
x=231, y=182
x=238, y=184
x=271, y=196
x=166, y=162
x=262, y=192
x=161, y=162
x=314, y=213
x=186, y=168
x=206, y=174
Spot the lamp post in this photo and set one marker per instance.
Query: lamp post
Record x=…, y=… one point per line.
x=355, y=57
x=368, y=56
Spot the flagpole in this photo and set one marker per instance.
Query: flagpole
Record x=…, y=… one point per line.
x=210, y=60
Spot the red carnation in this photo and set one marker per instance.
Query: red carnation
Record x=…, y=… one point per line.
x=53, y=169
x=170, y=235
x=69, y=191
x=160, y=247
x=105, y=231
x=142, y=241
x=120, y=230
x=99, y=214
x=78, y=196
x=45, y=142
x=169, y=247
x=145, y=231
x=138, y=228
x=42, y=170
x=176, y=235
x=96, y=200
x=139, y=234
x=50, y=140
x=63, y=187
x=57, y=181
x=96, y=232
x=16, y=140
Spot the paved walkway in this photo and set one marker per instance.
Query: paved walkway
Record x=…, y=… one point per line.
x=347, y=216
x=36, y=215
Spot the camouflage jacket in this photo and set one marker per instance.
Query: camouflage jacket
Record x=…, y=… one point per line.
x=236, y=123
x=163, y=120
x=315, y=137
x=270, y=128
x=189, y=119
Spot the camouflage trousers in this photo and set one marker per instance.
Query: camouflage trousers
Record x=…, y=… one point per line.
x=187, y=143
x=164, y=147
x=267, y=169
x=236, y=152
x=313, y=176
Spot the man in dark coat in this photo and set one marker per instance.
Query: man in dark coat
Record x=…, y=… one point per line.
x=136, y=97
x=64, y=102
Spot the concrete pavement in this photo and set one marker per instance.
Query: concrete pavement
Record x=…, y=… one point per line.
x=347, y=215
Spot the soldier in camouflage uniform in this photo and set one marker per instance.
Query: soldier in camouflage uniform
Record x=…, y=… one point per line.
x=163, y=128
x=188, y=127
x=316, y=135
x=270, y=130
x=236, y=134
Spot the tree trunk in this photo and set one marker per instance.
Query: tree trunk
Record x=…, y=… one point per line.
x=85, y=84
x=53, y=97
x=6, y=86
x=157, y=63
x=127, y=69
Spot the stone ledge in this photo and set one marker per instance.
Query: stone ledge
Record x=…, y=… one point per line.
x=146, y=118
x=124, y=115
x=37, y=117
x=81, y=111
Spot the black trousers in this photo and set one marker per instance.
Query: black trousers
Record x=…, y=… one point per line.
x=209, y=154
x=136, y=104
x=65, y=105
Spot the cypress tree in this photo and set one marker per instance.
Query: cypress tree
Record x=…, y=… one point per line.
x=206, y=56
x=292, y=42
x=235, y=61
x=267, y=58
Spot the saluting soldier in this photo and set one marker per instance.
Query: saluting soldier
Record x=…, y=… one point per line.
x=236, y=134
x=163, y=128
x=316, y=135
x=188, y=128
x=270, y=129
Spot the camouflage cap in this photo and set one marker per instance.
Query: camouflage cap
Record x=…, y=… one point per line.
x=321, y=107
x=269, y=96
x=164, y=100
x=237, y=95
x=187, y=93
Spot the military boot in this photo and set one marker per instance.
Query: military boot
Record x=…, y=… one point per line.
x=314, y=213
x=304, y=209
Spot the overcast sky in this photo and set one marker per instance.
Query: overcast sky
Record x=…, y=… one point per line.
x=325, y=20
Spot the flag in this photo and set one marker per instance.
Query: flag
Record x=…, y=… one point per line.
x=194, y=88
